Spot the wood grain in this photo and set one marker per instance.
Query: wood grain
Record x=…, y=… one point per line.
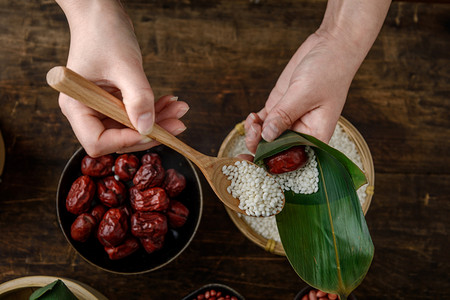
x=223, y=58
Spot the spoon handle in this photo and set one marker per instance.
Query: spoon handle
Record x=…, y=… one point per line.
x=72, y=84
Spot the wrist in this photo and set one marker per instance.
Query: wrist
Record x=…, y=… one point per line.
x=79, y=12
x=355, y=24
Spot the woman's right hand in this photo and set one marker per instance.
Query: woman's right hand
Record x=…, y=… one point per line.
x=311, y=91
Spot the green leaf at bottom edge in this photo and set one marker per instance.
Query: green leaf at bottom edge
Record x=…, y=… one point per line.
x=56, y=290
x=324, y=234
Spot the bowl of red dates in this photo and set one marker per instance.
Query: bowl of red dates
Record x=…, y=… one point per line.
x=129, y=213
x=214, y=291
x=309, y=293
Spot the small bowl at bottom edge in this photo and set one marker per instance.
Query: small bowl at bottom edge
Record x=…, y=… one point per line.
x=218, y=287
x=308, y=288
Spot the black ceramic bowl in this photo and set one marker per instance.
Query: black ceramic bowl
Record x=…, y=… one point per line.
x=176, y=240
x=218, y=287
x=308, y=288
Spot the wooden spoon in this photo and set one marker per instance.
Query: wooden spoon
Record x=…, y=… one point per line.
x=72, y=84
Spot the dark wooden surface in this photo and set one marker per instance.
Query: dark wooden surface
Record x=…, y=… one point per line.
x=223, y=58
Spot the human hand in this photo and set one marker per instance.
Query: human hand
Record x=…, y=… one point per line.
x=311, y=91
x=104, y=50
x=309, y=94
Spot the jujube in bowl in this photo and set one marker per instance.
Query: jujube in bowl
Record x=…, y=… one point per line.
x=128, y=214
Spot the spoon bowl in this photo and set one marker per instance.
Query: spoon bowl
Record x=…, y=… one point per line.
x=72, y=84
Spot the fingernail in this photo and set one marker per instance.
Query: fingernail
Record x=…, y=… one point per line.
x=174, y=98
x=145, y=140
x=251, y=134
x=270, y=132
x=182, y=112
x=179, y=130
x=252, y=116
x=145, y=123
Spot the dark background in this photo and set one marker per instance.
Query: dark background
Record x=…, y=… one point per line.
x=223, y=58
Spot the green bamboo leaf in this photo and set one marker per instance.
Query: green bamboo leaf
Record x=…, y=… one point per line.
x=290, y=138
x=324, y=234
x=56, y=290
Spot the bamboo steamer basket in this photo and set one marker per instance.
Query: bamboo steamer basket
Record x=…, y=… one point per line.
x=273, y=246
x=22, y=288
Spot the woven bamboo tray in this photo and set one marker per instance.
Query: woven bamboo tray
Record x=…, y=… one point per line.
x=274, y=246
x=21, y=288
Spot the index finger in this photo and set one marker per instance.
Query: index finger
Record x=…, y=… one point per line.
x=90, y=130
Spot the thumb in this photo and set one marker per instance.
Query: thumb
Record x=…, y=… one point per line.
x=139, y=101
x=283, y=115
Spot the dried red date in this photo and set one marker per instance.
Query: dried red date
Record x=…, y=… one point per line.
x=111, y=192
x=82, y=227
x=127, y=210
x=151, y=158
x=214, y=295
x=151, y=244
x=129, y=246
x=174, y=183
x=148, y=176
x=177, y=214
x=126, y=166
x=98, y=166
x=98, y=212
x=80, y=195
x=152, y=199
x=148, y=224
x=113, y=227
x=147, y=214
x=287, y=160
x=161, y=175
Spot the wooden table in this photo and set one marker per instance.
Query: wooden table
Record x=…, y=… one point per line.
x=223, y=58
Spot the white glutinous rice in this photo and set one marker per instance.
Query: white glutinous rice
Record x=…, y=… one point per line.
x=267, y=227
x=258, y=193
x=304, y=180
